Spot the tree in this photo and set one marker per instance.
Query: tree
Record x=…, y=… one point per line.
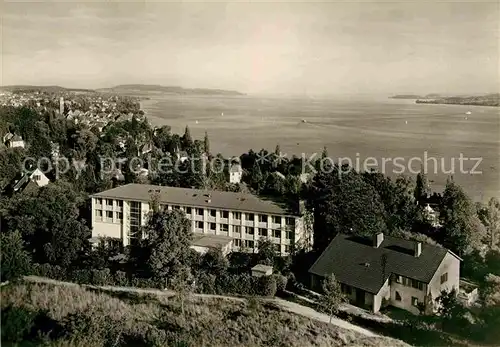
x=490, y=217
x=187, y=140
x=421, y=188
x=462, y=230
x=332, y=296
x=183, y=283
x=50, y=223
x=267, y=252
x=15, y=260
x=397, y=198
x=344, y=203
x=206, y=144
x=214, y=262
x=167, y=240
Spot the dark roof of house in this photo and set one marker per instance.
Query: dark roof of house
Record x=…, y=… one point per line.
x=200, y=198
x=355, y=262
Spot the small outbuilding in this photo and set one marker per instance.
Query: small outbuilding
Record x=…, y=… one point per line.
x=261, y=270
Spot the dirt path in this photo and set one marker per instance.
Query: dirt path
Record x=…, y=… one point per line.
x=285, y=305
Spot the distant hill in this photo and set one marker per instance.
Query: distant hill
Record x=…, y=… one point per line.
x=415, y=97
x=47, y=89
x=405, y=96
x=478, y=100
x=151, y=88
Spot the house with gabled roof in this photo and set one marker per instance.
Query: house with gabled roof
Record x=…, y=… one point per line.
x=15, y=141
x=28, y=180
x=386, y=270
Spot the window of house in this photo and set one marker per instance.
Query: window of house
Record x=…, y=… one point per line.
x=98, y=213
x=109, y=202
x=289, y=235
x=414, y=283
x=398, y=296
x=199, y=224
x=287, y=248
x=276, y=220
x=213, y=213
x=37, y=177
x=199, y=211
x=237, y=229
x=262, y=232
x=237, y=242
x=119, y=203
x=250, y=231
x=188, y=210
x=414, y=301
x=249, y=243
x=225, y=214
x=290, y=221
x=224, y=227
x=109, y=214
x=98, y=201
x=236, y=215
x=250, y=217
x=398, y=279
x=212, y=226
x=277, y=233
x=119, y=215
x=444, y=277
x=176, y=207
x=262, y=218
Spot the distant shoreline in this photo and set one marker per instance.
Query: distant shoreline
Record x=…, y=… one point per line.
x=492, y=100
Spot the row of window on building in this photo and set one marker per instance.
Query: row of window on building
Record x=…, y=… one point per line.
x=262, y=218
x=248, y=230
x=100, y=214
x=252, y=244
x=409, y=282
x=108, y=202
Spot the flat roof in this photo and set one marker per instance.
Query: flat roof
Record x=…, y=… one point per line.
x=199, y=198
x=210, y=241
x=262, y=267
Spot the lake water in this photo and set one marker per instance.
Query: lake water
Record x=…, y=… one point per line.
x=379, y=129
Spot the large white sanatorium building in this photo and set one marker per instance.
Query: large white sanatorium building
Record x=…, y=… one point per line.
x=118, y=214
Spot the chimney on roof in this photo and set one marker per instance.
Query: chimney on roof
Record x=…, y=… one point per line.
x=378, y=239
x=417, y=249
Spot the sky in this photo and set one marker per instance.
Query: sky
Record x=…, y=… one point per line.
x=260, y=47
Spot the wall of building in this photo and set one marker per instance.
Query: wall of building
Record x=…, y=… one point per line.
x=450, y=265
x=384, y=293
x=236, y=228
x=406, y=294
x=102, y=229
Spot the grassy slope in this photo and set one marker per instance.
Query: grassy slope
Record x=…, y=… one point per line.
x=96, y=319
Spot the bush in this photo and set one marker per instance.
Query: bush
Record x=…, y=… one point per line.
x=16, y=323
x=83, y=276
x=120, y=279
x=50, y=271
x=281, y=283
x=205, y=283
x=101, y=277
x=267, y=286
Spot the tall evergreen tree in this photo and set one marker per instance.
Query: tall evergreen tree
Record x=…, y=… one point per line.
x=422, y=188
x=187, y=140
x=206, y=144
